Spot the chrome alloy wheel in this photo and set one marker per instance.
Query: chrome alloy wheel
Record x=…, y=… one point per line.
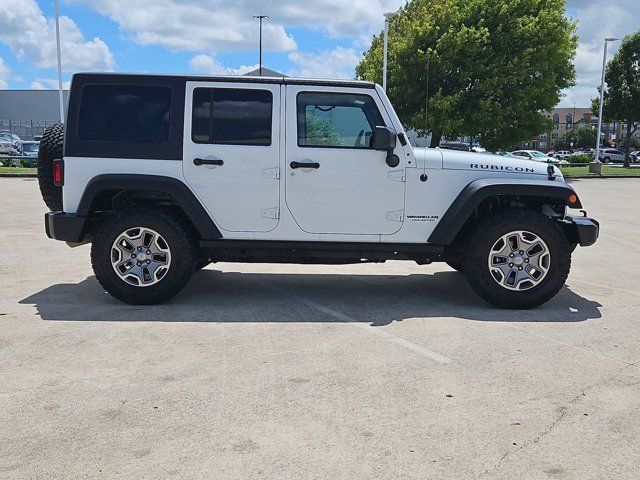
x=140, y=257
x=519, y=260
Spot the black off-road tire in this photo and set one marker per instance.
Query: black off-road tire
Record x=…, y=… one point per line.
x=50, y=149
x=488, y=232
x=181, y=243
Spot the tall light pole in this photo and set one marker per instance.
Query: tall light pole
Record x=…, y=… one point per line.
x=261, y=18
x=387, y=16
x=596, y=166
x=60, y=92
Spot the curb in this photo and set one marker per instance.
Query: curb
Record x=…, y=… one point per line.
x=19, y=175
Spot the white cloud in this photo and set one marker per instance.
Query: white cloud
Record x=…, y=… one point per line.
x=337, y=63
x=194, y=25
x=596, y=21
x=4, y=74
x=223, y=25
x=209, y=65
x=24, y=28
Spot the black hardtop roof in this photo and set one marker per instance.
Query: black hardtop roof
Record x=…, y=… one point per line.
x=139, y=78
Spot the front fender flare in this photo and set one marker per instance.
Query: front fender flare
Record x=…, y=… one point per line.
x=473, y=194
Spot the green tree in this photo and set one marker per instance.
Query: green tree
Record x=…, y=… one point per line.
x=492, y=66
x=584, y=137
x=621, y=100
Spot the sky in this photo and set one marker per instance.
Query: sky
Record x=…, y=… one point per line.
x=310, y=38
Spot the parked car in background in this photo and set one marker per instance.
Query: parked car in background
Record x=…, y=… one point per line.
x=30, y=149
x=633, y=157
x=611, y=155
x=15, y=140
x=463, y=147
x=6, y=147
x=505, y=154
x=537, y=156
x=561, y=154
x=36, y=138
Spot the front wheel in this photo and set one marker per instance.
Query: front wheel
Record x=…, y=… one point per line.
x=518, y=260
x=143, y=256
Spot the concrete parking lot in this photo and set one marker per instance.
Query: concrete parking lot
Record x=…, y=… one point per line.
x=334, y=372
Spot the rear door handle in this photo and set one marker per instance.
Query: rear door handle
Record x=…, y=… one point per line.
x=304, y=165
x=205, y=161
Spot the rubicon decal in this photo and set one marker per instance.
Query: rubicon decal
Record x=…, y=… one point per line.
x=506, y=168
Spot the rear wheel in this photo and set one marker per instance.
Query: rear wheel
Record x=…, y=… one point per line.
x=518, y=259
x=606, y=160
x=143, y=256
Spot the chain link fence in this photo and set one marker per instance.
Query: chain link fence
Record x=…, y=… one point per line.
x=25, y=129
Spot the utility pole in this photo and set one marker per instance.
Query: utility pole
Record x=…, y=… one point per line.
x=60, y=91
x=596, y=166
x=261, y=18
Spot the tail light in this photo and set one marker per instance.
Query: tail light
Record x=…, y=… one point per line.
x=58, y=173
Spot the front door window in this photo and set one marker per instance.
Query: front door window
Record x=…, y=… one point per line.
x=336, y=120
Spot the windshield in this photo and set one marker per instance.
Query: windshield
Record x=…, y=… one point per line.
x=538, y=154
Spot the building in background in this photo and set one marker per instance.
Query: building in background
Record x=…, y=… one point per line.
x=563, y=120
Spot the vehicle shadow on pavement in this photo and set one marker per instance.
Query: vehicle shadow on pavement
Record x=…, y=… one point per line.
x=214, y=296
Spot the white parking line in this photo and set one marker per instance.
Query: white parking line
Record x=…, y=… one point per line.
x=425, y=352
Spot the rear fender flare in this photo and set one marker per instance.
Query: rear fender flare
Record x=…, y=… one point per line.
x=178, y=191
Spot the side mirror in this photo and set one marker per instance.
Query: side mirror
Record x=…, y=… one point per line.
x=384, y=138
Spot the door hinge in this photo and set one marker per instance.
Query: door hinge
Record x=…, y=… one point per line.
x=396, y=216
x=271, y=212
x=397, y=175
x=273, y=172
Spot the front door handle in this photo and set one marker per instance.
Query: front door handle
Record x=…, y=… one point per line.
x=205, y=161
x=304, y=165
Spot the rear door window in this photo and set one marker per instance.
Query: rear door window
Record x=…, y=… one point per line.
x=232, y=116
x=125, y=113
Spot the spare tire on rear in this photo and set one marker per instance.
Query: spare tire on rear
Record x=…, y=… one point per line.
x=50, y=149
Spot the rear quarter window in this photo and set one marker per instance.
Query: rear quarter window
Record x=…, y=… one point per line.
x=125, y=113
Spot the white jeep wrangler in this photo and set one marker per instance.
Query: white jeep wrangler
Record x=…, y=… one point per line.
x=165, y=174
